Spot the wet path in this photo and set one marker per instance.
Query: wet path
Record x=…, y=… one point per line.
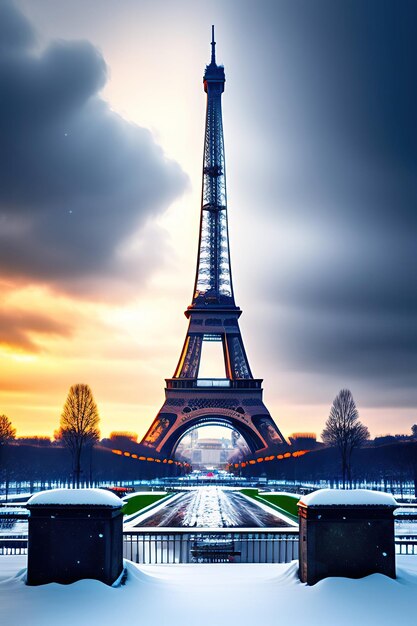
x=213, y=507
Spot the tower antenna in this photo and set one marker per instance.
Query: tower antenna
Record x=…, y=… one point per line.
x=213, y=46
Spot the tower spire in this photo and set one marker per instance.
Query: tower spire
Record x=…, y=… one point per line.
x=213, y=284
x=213, y=47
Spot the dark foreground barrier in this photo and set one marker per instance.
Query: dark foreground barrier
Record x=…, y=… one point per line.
x=346, y=533
x=74, y=534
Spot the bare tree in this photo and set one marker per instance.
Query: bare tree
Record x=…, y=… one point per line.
x=7, y=433
x=78, y=427
x=344, y=431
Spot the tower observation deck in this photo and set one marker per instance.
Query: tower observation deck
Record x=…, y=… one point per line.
x=236, y=400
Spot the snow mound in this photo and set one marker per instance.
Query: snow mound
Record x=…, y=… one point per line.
x=92, y=497
x=219, y=593
x=350, y=497
x=143, y=493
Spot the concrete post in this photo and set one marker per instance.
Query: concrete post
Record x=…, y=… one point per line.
x=346, y=533
x=74, y=534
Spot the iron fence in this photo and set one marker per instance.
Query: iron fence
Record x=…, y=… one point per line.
x=156, y=545
x=406, y=545
x=152, y=546
x=13, y=545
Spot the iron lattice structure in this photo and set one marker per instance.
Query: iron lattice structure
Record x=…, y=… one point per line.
x=213, y=277
x=236, y=400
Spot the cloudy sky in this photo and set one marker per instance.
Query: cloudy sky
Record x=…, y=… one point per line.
x=101, y=126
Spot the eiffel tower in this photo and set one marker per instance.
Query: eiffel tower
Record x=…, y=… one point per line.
x=236, y=400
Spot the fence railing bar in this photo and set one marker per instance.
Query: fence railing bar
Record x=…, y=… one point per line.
x=177, y=546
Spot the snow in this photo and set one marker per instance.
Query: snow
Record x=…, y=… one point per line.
x=144, y=493
x=342, y=497
x=208, y=509
x=405, y=528
x=10, y=565
x=279, y=493
x=93, y=497
x=18, y=528
x=219, y=594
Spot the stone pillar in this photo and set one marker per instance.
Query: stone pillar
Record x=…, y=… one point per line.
x=346, y=533
x=74, y=534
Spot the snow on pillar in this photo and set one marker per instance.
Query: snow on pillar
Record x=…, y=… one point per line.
x=74, y=534
x=346, y=533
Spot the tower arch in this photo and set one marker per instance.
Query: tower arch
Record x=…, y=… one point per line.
x=251, y=438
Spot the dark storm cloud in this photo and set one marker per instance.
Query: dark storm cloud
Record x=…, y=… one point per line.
x=16, y=328
x=76, y=180
x=336, y=86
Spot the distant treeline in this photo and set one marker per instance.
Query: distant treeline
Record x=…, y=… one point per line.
x=46, y=461
x=392, y=462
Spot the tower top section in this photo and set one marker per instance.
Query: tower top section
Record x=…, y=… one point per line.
x=213, y=283
x=214, y=74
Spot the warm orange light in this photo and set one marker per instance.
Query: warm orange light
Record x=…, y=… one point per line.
x=149, y=458
x=117, y=452
x=126, y=453
x=134, y=456
x=311, y=436
x=300, y=452
x=287, y=454
x=182, y=358
x=142, y=458
x=280, y=456
x=157, y=460
x=165, y=461
x=260, y=460
x=126, y=434
x=252, y=462
x=170, y=461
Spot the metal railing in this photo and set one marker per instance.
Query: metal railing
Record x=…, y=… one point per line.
x=219, y=545
x=193, y=383
x=13, y=545
x=152, y=546
x=406, y=545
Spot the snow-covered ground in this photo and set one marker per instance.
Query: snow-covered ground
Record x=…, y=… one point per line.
x=14, y=527
x=405, y=528
x=207, y=595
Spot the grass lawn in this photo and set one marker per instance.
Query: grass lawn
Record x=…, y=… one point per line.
x=285, y=503
x=140, y=501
